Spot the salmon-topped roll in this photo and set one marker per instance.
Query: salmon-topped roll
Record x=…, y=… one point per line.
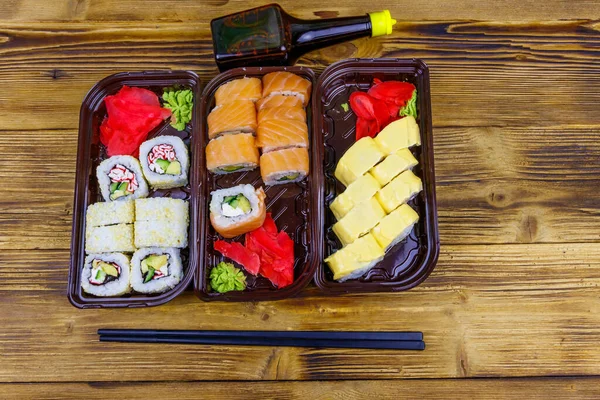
x=281, y=134
x=231, y=153
x=282, y=113
x=236, y=116
x=284, y=166
x=287, y=84
x=278, y=101
x=239, y=89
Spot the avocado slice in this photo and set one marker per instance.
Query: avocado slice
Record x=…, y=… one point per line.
x=117, y=193
x=163, y=164
x=123, y=186
x=243, y=203
x=110, y=270
x=231, y=168
x=289, y=177
x=114, y=186
x=144, y=266
x=174, y=168
x=149, y=275
x=156, y=261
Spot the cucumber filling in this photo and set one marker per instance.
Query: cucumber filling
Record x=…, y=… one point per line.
x=235, y=205
x=104, y=272
x=231, y=168
x=155, y=266
x=289, y=177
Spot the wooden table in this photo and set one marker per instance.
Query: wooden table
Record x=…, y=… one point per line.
x=514, y=298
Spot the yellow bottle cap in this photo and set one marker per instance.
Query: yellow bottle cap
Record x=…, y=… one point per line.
x=381, y=23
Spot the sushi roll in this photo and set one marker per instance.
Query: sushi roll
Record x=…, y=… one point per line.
x=281, y=113
x=284, y=166
x=280, y=134
x=399, y=191
x=110, y=213
x=393, y=165
x=358, y=159
x=395, y=226
x=233, y=117
x=109, y=239
x=358, y=221
x=237, y=210
x=354, y=260
x=161, y=222
x=278, y=101
x=400, y=134
x=106, y=274
x=239, y=89
x=357, y=192
x=287, y=84
x=232, y=153
x=155, y=269
x=121, y=178
x=165, y=162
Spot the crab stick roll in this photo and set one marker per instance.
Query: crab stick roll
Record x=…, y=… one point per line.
x=109, y=239
x=287, y=84
x=233, y=117
x=232, y=153
x=284, y=166
x=106, y=274
x=155, y=269
x=237, y=210
x=121, y=178
x=239, y=89
x=399, y=191
x=358, y=159
x=161, y=222
x=165, y=162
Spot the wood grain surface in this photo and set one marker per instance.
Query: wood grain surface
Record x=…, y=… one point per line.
x=514, y=300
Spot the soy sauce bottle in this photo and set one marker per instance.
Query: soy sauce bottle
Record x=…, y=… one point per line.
x=268, y=35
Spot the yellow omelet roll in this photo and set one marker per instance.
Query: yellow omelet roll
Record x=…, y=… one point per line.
x=355, y=259
x=400, y=190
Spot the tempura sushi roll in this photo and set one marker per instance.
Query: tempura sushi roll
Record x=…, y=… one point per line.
x=354, y=260
x=110, y=213
x=121, y=178
x=109, y=239
x=395, y=226
x=393, y=165
x=161, y=222
x=237, y=210
x=281, y=113
x=239, y=89
x=287, y=84
x=358, y=221
x=284, y=166
x=357, y=192
x=106, y=274
x=232, y=153
x=278, y=101
x=155, y=269
x=165, y=162
x=358, y=159
x=233, y=117
x=281, y=134
x=399, y=191
x=400, y=134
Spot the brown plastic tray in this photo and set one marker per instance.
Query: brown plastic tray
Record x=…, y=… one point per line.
x=408, y=263
x=297, y=208
x=90, y=153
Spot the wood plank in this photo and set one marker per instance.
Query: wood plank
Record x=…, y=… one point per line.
x=449, y=389
x=486, y=311
x=515, y=68
x=192, y=11
x=494, y=185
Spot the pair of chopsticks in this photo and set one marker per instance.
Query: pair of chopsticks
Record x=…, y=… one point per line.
x=318, y=339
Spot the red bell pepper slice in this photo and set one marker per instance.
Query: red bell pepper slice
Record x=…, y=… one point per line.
x=240, y=254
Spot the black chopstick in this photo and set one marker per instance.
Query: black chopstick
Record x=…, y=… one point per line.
x=319, y=335
x=255, y=341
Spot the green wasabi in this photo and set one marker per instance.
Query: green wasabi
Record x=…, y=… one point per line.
x=181, y=104
x=411, y=106
x=225, y=278
x=345, y=107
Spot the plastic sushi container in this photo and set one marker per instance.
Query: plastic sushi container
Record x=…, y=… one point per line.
x=408, y=263
x=297, y=208
x=89, y=155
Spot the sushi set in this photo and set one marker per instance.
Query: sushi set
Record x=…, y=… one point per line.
x=251, y=187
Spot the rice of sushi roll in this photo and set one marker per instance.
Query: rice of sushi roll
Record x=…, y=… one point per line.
x=155, y=269
x=106, y=274
x=161, y=222
x=165, y=162
x=110, y=213
x=109, y=239
x=121, y=178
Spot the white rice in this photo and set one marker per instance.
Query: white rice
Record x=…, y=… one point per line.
x=118, y=287
x=109, y=239
x=161, y=208
x=165, y=181
x=161, y=222
x=159, y=285
x=216, y=202
x=110, y=213
x=131, y=164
